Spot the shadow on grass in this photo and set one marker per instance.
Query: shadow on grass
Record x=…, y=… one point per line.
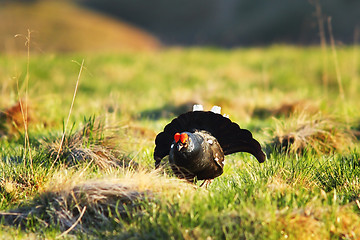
x=167, y=111
x=285, y=109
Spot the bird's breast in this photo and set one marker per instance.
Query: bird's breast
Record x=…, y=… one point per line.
x=205, y=160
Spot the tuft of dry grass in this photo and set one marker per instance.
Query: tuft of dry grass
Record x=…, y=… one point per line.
x=93, y=203
x=318, y=134
x=94, y=142
x=74, y=203
x=12, y=120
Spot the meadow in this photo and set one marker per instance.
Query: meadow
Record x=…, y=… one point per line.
x=82, y=166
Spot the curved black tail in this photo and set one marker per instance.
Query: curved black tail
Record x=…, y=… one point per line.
x=230, y=136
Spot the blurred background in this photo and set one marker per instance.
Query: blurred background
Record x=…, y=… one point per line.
x=98, y=25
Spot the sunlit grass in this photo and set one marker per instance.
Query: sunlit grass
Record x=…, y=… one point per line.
x=305, y=194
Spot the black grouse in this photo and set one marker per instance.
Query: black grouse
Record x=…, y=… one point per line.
x=197, y=142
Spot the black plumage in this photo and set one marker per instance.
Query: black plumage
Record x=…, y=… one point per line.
x=209, y=137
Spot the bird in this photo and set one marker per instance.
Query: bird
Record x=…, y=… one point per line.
x=197, y=142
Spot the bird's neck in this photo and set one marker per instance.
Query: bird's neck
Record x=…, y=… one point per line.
x=193, y=150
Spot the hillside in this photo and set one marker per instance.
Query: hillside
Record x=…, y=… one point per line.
x=62, y=26
x=234, y=22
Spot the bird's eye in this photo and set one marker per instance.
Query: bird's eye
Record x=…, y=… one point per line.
x=177, y=137
x=184, y=137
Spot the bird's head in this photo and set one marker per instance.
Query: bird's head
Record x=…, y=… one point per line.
x=181, y=140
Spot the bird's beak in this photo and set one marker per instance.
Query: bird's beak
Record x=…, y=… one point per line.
x=179, y=147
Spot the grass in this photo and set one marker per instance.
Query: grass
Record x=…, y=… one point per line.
x=311, y=133
x=123, y=100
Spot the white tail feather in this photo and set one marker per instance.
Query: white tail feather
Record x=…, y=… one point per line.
x=216, y=109
x=198, y=107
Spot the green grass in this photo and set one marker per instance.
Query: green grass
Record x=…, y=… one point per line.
x=303, y=195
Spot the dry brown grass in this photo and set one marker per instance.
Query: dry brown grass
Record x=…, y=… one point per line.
x=314, y=133
x=12, y=120
x=93, y=202
x=279, y=183
x=346, y=225
x=308, y=223
x=139, y=132
x=74, y=203
x=95, y=142
x=302, y=227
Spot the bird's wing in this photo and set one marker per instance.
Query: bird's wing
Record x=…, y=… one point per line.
x=212, y=146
